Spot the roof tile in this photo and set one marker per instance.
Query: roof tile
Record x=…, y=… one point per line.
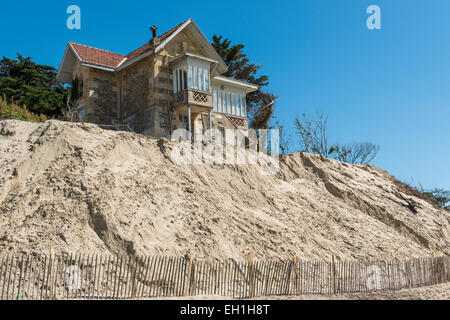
x=97, y=56
x=113, y=60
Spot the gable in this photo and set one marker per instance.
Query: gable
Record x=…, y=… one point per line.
x=183, y=43
x=147, y=47
x=196, y=38
x=204, y=46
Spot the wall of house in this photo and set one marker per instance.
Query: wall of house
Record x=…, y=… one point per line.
x=164, y=82
x=146, y=91
x=100, y=100
x=135, y=93
x=141, y=95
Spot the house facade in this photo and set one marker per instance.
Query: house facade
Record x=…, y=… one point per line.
x=173, y=81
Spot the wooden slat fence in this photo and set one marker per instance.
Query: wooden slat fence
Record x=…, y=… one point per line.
x=81, y=276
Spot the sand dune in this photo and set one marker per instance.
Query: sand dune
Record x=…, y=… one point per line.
x=79, y=188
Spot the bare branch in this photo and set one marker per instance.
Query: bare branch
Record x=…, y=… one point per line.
x=313, y=134
x=362, y=153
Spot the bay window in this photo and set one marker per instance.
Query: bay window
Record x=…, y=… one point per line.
x=191, y=74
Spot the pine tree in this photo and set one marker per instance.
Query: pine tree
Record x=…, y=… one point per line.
x=27, y=83
x=260, y=104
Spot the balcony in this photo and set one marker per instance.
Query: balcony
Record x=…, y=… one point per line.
x=199, y=100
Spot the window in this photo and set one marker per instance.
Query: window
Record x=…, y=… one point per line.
x=175, y=81
x=201, y=78
x=229, y=103
x=215, y=99
x=206, y=80
x=195, y=78
x=180, y=79
x=192, y=74
x=238, y=106
x=225, y=103
x=233, y=100
x=190, y=80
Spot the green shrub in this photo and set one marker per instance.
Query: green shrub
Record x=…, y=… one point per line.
x=11, y=110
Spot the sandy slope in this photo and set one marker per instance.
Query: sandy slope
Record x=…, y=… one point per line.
x=80, y=188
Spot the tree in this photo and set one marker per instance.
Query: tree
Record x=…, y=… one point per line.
x=441, y=196
x=313, y=134
x=284, y=136
x=260, y=104
x=26, y=83
x=314, y=139
x=362, y=153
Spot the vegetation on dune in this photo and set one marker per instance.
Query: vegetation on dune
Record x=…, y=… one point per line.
x=313, y=138
x=14, y=111
x=441, y=196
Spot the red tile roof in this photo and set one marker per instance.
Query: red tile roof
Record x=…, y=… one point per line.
x=97, y=56
x=113, y=60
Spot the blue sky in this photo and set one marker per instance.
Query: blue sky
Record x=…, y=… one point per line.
x=388, y=86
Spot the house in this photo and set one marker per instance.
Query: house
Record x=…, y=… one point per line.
x=173, y=81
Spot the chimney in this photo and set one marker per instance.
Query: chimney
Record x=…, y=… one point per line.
x=154, y=40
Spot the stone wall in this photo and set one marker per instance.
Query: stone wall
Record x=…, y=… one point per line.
x=135, y=89
x=105, y=102
x=161, y=98
x=100, y=95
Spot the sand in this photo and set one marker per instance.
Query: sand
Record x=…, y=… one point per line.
x=79, y=188
x=436, y=292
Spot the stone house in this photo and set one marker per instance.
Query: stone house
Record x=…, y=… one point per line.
x=173, y=81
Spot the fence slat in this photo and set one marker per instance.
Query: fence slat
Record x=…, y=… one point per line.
x=1, y=271
x=30, y=276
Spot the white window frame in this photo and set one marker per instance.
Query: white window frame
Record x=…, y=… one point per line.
x=175, y=81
